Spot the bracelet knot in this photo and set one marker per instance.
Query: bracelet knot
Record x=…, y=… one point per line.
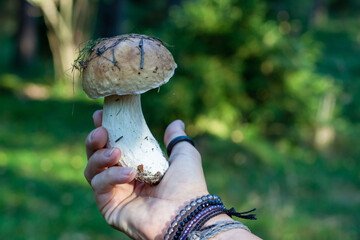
x=245, y=215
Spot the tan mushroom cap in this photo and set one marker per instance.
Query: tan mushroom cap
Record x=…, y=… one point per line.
x=127, y=64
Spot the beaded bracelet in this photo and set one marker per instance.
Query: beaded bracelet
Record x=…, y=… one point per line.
x=200, y=219
x=190, y=211
x=197, y=213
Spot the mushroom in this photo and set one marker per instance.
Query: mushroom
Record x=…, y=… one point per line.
x=120, y=69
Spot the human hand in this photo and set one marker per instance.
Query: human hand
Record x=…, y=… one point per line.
x=140, y=210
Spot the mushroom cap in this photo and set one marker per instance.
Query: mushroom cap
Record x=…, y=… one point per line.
x=126, y=64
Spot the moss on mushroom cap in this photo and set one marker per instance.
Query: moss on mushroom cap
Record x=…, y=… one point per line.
x=126, y=64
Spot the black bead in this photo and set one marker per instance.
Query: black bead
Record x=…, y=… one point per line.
x=185, y=220
x=207, y=204
x=192, y=214
x=189, y=217
x=196, y=211
x=182, y=223
x=176, y=237
x=200, y=208
x=178, y=233
x=180, y=228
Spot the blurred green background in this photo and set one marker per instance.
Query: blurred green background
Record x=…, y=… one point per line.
x=268, y=89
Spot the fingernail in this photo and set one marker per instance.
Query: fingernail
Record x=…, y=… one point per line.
x=127, y=171
x=108, y=153
x=92, y=134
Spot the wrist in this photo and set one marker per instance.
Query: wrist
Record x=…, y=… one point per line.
x=203, y=214
x=220, y=218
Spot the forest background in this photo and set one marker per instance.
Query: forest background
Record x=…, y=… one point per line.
x=269, y=90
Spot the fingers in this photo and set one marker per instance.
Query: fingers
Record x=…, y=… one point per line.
x=100, y=161
x=106, y=180
x=97, y=117
x=96, y=140
x=176, y=129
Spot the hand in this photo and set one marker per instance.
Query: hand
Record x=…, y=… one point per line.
x=140, y=210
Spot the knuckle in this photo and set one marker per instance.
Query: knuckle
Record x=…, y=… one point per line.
x=86, y=174
x=93, y=182
x=109, y=173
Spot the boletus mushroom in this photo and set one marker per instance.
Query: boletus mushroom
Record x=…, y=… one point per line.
x=120, y=69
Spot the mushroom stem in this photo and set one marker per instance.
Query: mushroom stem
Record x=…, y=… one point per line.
x=127, y=129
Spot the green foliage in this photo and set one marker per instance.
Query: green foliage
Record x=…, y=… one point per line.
x=243, y=67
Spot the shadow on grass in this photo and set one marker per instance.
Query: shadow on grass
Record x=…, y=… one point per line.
x=33, y=209
x=37, y=124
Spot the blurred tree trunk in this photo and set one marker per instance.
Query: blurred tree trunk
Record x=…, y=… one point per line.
x=27, y=35
x=112, y=15
x=68, y=25
x=324, y=132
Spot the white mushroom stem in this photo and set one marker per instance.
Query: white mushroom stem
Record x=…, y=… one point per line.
x=125, y=123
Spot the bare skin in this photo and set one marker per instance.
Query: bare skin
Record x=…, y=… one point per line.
x=140, y=210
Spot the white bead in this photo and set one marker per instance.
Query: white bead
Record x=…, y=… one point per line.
x=174, y=223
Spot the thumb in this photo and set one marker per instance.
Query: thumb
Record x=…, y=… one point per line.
x=183, y=148
x=185, y=162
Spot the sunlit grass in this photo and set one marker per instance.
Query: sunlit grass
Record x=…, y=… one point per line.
x=45, y=196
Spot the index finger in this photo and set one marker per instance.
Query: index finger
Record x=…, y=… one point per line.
x=96, y=140
x=97, y=117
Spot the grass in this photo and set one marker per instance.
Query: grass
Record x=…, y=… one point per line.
x=45, y=196
x=44, y=193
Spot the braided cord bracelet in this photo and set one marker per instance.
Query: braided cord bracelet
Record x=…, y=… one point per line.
x=215, y=229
